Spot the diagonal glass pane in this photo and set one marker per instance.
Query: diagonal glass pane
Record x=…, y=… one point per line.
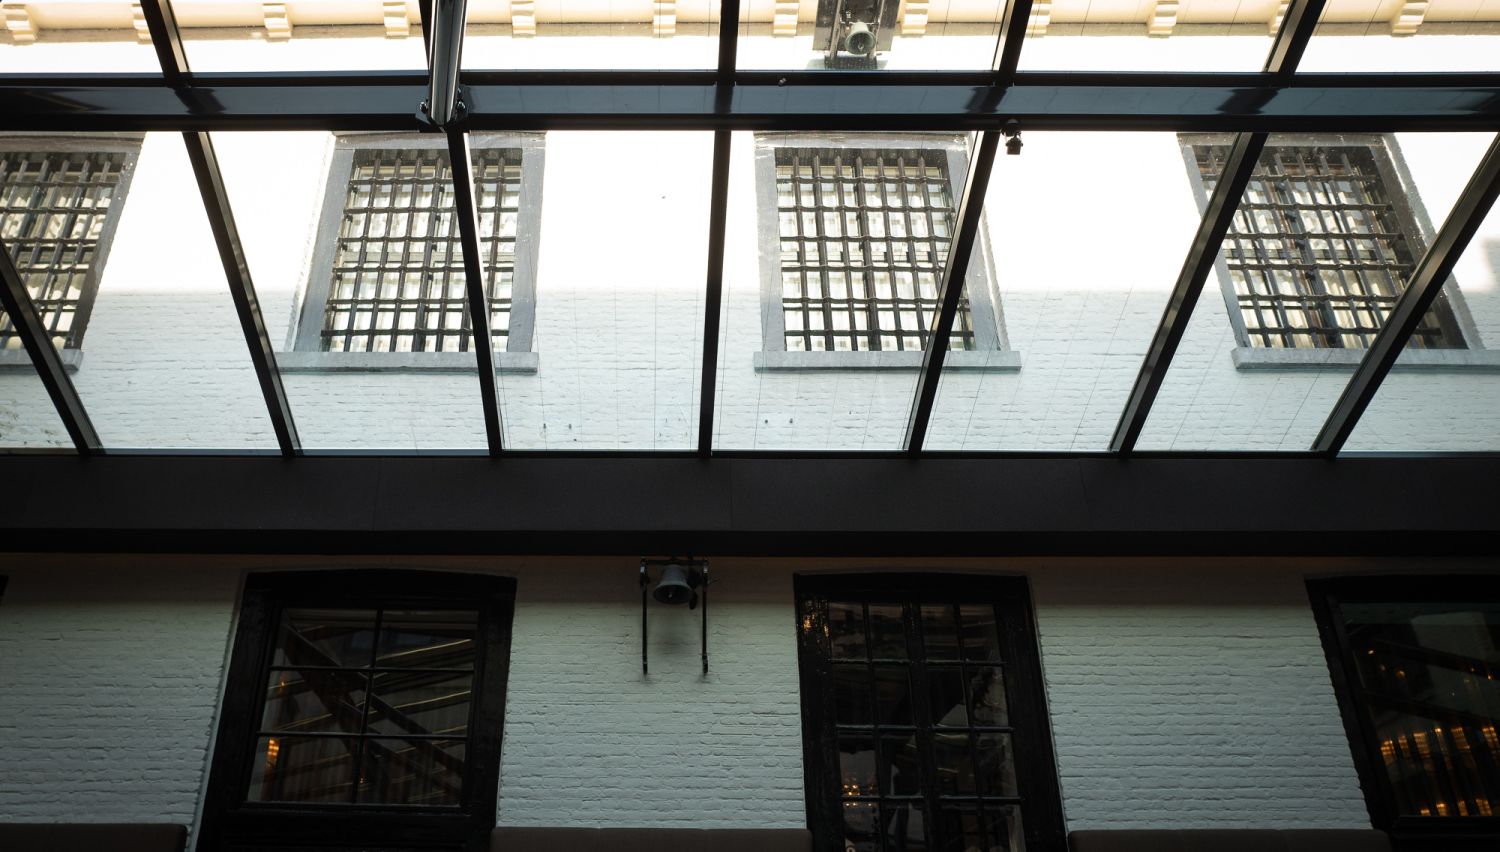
x=873, y=35
x=220, y=36
x=834, y=256
x=1446, y=400
x=355, y=253
x=1440, y=35
x=110, y=233
x=28, y=420
x=63, y=37
x=1088, y=232
x=1320, y=249
x=639, y=35
x=1109, y=35
x=619, y=259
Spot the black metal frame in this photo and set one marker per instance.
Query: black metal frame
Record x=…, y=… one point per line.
x=1408, y=834
x=1276, y=99
x=1026, y=700
x=229, y=819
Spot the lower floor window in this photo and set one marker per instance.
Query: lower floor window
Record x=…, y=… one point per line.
x=1416, y=663
x=364, y=706
x=924, y=718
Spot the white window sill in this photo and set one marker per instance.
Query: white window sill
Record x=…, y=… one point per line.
x=400, y=362
x=11, y=359
x=994, y=361
x=1255, y=358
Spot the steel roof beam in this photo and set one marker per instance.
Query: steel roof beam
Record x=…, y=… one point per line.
x=718, y=216
x=1192, y=103
x=951, y=289
x=1421, y=290
x=1203, y=253
x=167, y=39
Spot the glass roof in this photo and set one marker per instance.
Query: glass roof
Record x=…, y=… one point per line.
x=308, y=284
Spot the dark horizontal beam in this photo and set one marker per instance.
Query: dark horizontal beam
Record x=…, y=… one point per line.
x=1251, y=102
x=751, y=506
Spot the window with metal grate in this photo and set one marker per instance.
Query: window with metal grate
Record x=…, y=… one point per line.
x=57, y=212
x=1321, y=247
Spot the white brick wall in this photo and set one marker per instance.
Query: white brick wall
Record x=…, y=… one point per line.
x=109, y=680
x=1179, y=697
x=1192, y=698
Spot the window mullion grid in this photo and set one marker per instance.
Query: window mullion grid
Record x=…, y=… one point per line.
x=1275, y=300
x=820, y=219
x=70, y=250
x=1315, y=297
x=867, y=246
x=364, y=718
x=843, y=205
x=434, y=281
x=911, y=617
x=1359, y=291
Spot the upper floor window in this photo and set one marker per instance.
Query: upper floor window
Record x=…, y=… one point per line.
x=924, y=715
x=1321, y=246
x=388, y=273
x=1416, y=664
x=856, y=234
x=359, y=698
x=60, y=199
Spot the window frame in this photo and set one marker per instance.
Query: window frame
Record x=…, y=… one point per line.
x=1326, y=594
x=1407, y=206
x=991, y=350
x=1025, y=689
x=304, y=351
x=127, y=144
x=230, y=821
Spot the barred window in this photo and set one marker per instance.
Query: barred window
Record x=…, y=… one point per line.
x=864, y=235
x=1321, y=247
x=55, y=219
x=398, y=277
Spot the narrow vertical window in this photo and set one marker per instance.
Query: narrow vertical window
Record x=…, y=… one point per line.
x=923, y=714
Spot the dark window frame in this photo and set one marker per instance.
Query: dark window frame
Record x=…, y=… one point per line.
x=1408, y=833
x=1035, y=759
x=229, y=821
x=1407, y=207
x=304, y=344
x=126, y=144
x=991, y=347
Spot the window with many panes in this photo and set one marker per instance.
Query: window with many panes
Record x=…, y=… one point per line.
x=923, y=715
x=1321, y=245
x=59, y=201
x=855, y=238
x=388, y=274
x=1416, y=664
x=360, y=701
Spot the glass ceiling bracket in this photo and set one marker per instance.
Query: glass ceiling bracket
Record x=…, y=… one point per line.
x=1421, y=291
x=951, y=288
x=34, y=336
x=1202, y=255
x=167, y=39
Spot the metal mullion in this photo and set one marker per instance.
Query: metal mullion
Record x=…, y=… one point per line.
x=1012, y=38
x=1239, y=165
x=425, y=297
x=911, y=256
x=416, y=178
x=1422, y=288
x=1296, y=31
x=215, y=196
x=890, y=259
x=718, y=218
x=847, y=206
x=364, y=716
x=27, y=325
x=970, y=208
x=826, y=301
x=393, y=186
x=1369, y=299
x=363, y=242
x=916, y=649
x=1311, y=308
x=1313, y=171
x=478, y=298
x=867, y=245
x=344, y=735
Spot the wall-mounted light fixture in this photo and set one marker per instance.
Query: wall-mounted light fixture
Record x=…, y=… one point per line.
x=850, y=32
x=683, y=581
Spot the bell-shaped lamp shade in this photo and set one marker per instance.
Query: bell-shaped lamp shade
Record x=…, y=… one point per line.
x=675, y=586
